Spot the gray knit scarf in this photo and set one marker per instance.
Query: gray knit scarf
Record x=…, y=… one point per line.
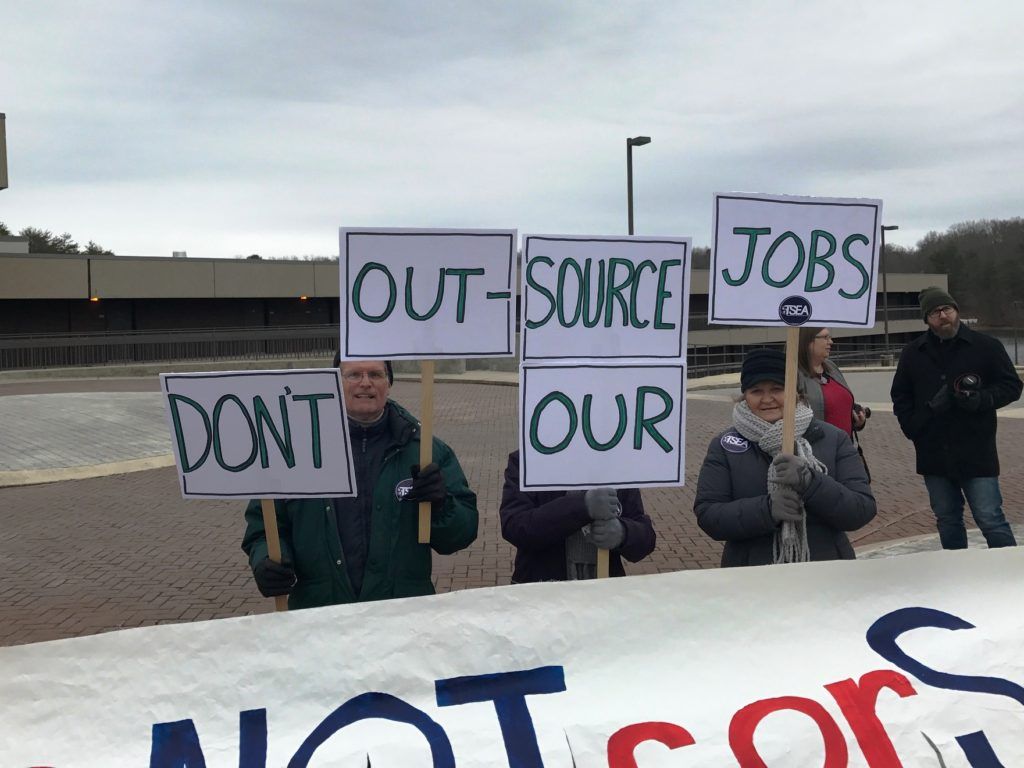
x=790, y=542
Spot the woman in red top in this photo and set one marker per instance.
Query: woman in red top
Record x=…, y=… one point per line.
x=823, y=384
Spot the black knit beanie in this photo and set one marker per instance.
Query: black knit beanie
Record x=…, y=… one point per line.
x=762, y=365
x=932, y=297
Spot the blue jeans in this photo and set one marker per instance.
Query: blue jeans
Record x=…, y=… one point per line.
x=947, y=499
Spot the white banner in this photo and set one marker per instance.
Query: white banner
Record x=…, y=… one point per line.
x=912, y=661
x=259, y=434
x=604, y=297
x=786, y=260
x=427, y=293
x=588, y=425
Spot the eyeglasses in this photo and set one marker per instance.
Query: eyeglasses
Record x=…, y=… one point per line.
x=943, y=310
x=826, y=336
x=354, y=377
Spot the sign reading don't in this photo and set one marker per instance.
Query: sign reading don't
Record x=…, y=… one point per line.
x=785, y=261
x=427, y=293
x=261, y=434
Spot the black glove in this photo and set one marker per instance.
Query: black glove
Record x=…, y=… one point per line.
x=427, y=484
x=274, y=579
x=970, y=400
x=602, y=503
x=792, y=471
x=785, y=506
x=942, y=400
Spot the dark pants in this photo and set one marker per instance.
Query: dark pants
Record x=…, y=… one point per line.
x=947, y=499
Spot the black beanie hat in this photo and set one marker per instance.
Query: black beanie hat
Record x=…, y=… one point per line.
x=932, y=297
x=762, y=364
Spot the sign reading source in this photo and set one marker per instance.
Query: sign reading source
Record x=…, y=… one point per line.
x=427, y=293
x=584, y=426
x=781, y=260
x=259, y=434
x=604, y=297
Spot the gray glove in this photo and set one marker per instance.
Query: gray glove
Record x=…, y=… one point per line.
x=942, y=400
x=602, y=503
x=785, y=506
x=607, y=534
x=792, y=471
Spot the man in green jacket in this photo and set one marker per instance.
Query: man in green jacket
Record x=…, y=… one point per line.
x=365, y=548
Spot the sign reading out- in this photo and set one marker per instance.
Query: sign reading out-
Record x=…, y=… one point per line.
x=260, y=434
x=604, y=297
x=427, y=293
x=584, y=426
x=783, y=260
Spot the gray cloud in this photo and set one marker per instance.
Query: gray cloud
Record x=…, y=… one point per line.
x=231, y=127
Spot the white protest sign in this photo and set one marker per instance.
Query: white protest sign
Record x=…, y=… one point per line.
x=849, y=663
x=427, y=293
x=786, y=260
x=583, y=426
x=259, y=434
x=604, y=297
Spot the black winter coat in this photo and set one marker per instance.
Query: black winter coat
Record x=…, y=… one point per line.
x=957, y=443
x=732, y=497
x=537, y=523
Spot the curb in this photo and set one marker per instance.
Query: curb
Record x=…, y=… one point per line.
x=18, y=477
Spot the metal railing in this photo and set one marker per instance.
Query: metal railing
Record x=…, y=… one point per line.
x=119, y=348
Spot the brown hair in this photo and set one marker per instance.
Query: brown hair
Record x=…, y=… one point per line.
x=803, y=356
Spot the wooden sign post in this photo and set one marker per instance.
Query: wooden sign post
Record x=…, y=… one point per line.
x=273, y=544
x=789, y=396
x=426, y=438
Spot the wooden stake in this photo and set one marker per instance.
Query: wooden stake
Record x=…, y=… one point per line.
x=789, y=406
x=602, y=563
x=426, y=438
x=273, y=544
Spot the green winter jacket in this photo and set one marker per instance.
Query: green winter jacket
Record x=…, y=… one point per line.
x=396, y=564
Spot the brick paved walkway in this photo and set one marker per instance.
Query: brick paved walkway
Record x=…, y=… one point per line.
x=87, y=556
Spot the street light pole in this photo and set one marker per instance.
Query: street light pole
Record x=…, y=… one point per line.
x=885, y=287
x=635, y=141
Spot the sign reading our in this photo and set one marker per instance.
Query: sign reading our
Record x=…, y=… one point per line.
x=427, y=293
x=259, y=434
x=583, y=426
x=604, y=297
x=784, y=260
x=808, y=665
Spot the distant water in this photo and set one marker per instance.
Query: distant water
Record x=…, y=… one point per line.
x=1006, y=336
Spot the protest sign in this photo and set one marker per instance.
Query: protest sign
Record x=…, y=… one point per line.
x=590, y=425
x=911, y=661
x=259, y=434
x=427, y=293
x=786, y=260
x=604, y=297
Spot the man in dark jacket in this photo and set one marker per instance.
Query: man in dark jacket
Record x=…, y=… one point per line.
x=557, y=533
x=948, y=385
x=366, y=548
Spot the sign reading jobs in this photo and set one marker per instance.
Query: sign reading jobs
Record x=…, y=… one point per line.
x=426, y=293
x=259, y=434
x=602, y=385
x=794, y=260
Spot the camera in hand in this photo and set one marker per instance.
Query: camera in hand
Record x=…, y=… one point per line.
x=969, y=382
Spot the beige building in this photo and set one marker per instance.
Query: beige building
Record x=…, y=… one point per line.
x=60, y=295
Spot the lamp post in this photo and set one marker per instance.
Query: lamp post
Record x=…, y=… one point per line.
x=3, y=151
x=636, y=141
x=885, y=287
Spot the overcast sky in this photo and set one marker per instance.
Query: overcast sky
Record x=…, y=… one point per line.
x=226, y=128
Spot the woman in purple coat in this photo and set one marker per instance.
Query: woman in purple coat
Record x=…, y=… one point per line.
x=557, y=533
